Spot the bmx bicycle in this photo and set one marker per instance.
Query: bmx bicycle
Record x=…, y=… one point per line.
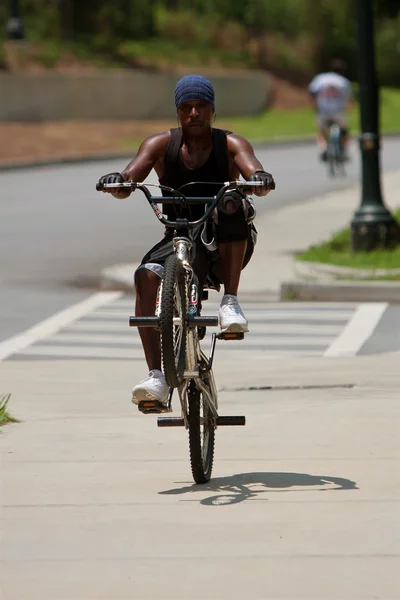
x=334, y=153
x=177, y=317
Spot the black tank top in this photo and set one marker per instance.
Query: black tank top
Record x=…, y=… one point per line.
x=176, y=174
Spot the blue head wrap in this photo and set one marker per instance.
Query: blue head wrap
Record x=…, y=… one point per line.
x=194, y=87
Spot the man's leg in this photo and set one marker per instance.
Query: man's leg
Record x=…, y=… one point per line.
x=233, y=238
x=147, y=280
x=344, y=134
x=321, y=136
x=232, y=256
x=146, y=283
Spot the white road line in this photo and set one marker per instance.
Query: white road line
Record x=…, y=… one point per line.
x=101, y=326
x=76, y=339
x=84, y=352
x=358, y=329
x=55, y=323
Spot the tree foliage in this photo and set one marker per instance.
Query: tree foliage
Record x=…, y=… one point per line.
x=291, y=33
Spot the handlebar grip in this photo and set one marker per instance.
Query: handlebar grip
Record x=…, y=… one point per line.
x=99, y=186
x=272, y=186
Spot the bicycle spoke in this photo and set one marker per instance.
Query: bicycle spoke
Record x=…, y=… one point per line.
x=178, y=328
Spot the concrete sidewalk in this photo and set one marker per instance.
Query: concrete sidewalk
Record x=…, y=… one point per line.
x=97, y=503
x=283, y=232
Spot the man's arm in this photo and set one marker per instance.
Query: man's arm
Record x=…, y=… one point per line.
x=248, y=164
x=150, y=151
x=313, y=89
x=313, y=100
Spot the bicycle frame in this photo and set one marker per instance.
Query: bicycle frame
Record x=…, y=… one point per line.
x=196, y=363
x=334, y=148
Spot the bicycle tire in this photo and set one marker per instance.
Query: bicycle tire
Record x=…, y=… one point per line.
x=201, y=435
x=172, y=336
x=340, y=166
x=331, y=157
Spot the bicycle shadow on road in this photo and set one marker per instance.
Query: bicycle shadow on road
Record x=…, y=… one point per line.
x=248, y=486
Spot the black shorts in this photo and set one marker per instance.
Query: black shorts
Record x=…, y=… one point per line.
x=206, y=264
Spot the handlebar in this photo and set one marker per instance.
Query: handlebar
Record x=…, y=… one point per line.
x=179, y=198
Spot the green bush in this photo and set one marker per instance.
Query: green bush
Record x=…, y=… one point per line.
x=185, y=26
x=293, y=34
x=42, y=19
x=388, y=52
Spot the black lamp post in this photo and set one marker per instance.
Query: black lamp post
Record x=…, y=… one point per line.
x=14, y=28
x=372, y=226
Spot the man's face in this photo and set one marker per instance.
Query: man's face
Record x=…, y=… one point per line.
x=195, y=116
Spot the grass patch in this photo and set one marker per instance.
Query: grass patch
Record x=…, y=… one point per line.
x=5, y=416
x=337, y=251
x=390, y=110
x=275, y=124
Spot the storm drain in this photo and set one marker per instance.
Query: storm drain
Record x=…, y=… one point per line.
x=258, y=388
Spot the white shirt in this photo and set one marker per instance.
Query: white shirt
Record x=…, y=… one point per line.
x=332, y=92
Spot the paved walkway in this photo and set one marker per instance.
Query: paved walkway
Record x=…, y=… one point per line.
x=304, y=504
x=97, y=503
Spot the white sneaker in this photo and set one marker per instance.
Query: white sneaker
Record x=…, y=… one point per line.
x=154, y=387
x=231, y=318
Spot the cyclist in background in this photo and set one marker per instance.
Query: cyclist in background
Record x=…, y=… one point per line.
x=195, y=152
x=331, y=96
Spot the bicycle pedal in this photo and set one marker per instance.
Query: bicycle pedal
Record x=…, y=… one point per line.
x=153, y=407
x=231, y=335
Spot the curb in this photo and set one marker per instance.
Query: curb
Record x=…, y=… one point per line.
x=72, y=160
x=128, y=154
x=308, y=270
x=339, y=291
x=118, y=277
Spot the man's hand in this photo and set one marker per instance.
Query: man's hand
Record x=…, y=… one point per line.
x=114, y=178
x=266, y=179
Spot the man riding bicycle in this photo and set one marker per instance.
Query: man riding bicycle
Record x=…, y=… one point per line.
x=331, y=97
x=195, y=152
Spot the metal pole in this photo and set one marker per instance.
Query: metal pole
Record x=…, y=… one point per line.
x=14, y=28
x=372, y=226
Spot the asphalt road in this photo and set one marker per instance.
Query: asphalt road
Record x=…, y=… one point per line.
x=57, y=232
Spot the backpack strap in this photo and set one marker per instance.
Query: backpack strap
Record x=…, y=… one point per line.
x=220, y=146
x=172, y=153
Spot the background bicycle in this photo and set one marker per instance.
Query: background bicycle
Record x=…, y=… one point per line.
x=335, y=157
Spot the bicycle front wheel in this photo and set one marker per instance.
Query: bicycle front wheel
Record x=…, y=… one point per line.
x=201, y=435
x=331, y=158
x=173, y=321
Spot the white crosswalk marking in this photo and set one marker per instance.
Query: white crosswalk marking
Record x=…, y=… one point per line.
x=276, y=329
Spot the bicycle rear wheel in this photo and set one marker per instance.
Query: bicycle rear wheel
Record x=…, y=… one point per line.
x=173, y=321
x=201, y=435
x=331, y=158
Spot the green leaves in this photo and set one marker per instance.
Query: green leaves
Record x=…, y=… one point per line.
x=5, y=417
